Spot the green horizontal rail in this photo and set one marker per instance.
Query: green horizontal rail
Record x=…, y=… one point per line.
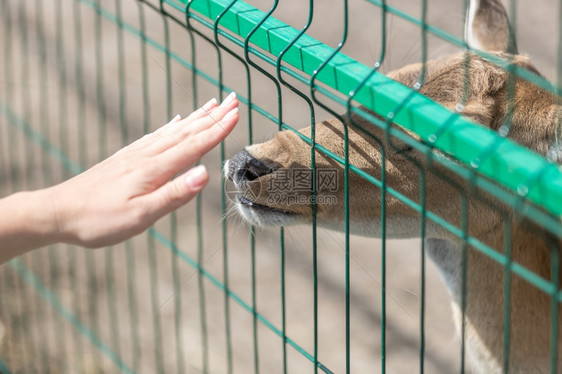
x=509, y=164
x=539, y=282
x=549, y=222
x=449, y=38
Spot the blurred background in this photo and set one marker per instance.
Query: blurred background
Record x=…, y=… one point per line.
x=75, y=87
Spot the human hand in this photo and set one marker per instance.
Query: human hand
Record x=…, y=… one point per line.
x=125, y=194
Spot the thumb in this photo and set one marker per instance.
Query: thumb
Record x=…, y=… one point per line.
x=180, y=190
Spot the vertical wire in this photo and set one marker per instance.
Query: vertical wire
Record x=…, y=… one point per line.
x=20, y=330
x=25, y=177
x=28, y=153
x=254, y=293
x=280, y=125
x=464, y=212
x=422, y=192
x=504, y=131
x=103, y=150
x=173, y=215
x=25, y=92
x=314, y=174
x=226, y=282
x=198, y=210
x=89, y=258
x=347, y=247
x=421, y=172
x=555, y=249
x=136, y=352
x=252, y=228
x=4, y=191
x=13, y=143
x=18, y=326
x=283, y=299
x=6, y=103
x=156, y=323
x=83, y=158
x=507, y=294
x=346, y=186
x=64, y=141
x=151, y=243
x=46, y=167
x=352, y=95
x=281, y=230
x=199, y=201
x=554, y=305
x=557, y=148
x=505, y=127
x=422, y=302
x=464, y=272
x=250, y=136
x=130, y=269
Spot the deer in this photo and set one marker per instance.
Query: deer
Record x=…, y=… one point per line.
x=534, y=118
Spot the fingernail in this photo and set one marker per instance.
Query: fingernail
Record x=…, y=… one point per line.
x=230, y=114
x=211, y=103
x=230, y=98
x=196, y=177
x=176, y=118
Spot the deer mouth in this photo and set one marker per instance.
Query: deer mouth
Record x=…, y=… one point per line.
x=249, y=204
x=247, y=187
x=263, y=215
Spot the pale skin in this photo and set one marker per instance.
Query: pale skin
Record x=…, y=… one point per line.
x=123, y=195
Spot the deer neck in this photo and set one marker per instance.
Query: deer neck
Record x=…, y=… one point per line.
x=485, y=292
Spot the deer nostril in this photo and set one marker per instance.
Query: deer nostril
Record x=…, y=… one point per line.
x=245, y=168
x=250, y=174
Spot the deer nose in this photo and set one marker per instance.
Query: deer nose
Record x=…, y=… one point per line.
x=243, y=167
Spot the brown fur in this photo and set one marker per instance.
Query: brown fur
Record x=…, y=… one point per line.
x=534, y=122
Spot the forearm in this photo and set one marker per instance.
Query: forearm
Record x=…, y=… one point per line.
x=123, y=195
x=27, y=221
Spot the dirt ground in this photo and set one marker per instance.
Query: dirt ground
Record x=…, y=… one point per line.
x=144, y=305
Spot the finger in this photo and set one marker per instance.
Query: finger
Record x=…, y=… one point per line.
x=177, y=192
x=157, y=141
x=192, y=149
x=175, y=131
x=150, y=138
x=185, y=130
x=199, y=113
x=204, y=110
x=170, y=124
x=204, y=123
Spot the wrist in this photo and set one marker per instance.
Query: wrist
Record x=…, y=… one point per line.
x=27, y=221
x=55, y=218
x=42, y=210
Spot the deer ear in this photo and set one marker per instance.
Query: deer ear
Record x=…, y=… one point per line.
x=487, y=27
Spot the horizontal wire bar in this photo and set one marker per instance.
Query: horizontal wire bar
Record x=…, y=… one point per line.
x=60, y=156
x=510, y=164
x=539, y=216
x=4, y=368
x=444, y=35
x=540, y=282
x=52, y=299
x=75, y=168
x=168, y=244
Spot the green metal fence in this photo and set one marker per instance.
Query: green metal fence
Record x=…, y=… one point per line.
x=82, y=78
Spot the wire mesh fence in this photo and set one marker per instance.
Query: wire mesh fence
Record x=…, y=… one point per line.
x=202, y=291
